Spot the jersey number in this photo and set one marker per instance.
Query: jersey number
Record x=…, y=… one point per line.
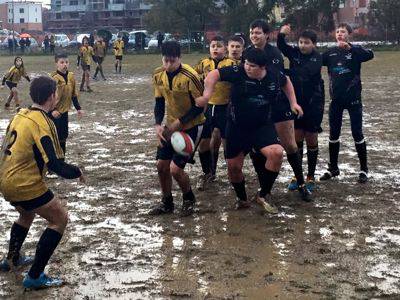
x=11, y=140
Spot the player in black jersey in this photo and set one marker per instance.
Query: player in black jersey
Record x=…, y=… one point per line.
x=283, y=111
x=344, y=67
x=305, y=73
x=255, y=88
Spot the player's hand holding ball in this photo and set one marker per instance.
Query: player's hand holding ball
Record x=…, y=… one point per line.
x=159, y=133
x=285, y=29
x=56, y=114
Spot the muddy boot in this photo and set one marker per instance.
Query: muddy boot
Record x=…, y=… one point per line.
x=189, y=201
x=165, y=207
x=266, y=203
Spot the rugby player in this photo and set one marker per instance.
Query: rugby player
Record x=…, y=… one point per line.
x=305, y=74
x=235, y=48
x=344, y=68
x=214, y=128
x=118, y=46
x=255, y=88
x=85, y=59
x=12, y=78
x=178, y=89
x=100, y=50
x=30, y=147
x=284, y=110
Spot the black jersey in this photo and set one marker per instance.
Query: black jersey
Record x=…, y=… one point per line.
x=275, y=58
x=251, y=99
x=304, y=71
x=344, y=68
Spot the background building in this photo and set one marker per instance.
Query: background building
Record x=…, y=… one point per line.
x=71, y=16
x=27, y=15
x=354, y=12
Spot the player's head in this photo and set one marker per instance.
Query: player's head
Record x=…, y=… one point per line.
x=343, y=32
x=43, y=92
x=217, y=48
x=62, y=62
x=255, y=62
x=171, y=55
x=259, y=33
x=18, y=62
x=235, y=47
x=307, y=41
x=85, y=41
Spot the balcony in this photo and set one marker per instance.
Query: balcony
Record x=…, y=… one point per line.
x=73, y=8
x=116, y=7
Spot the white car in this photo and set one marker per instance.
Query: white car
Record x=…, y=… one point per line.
x=61, y=40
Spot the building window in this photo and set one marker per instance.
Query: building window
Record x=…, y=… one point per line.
x=35, y=9
x=21, y=10
x=73, y=2
x=74, y=15
x=36, y=20
x=58, y=16
x=118, y=13
x=22, y=20
x=9, y=20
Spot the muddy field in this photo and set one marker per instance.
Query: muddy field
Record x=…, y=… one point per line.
x=344, y=245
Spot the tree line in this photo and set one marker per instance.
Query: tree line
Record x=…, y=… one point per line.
x=183, y=16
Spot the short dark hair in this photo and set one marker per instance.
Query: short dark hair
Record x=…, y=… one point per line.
x=60, y=55
x=18, y=57
x=309, y=34
x=236, y=38
x=218, y=38
x=256, y=56
x=171, y=49
x=259, y=23
x=345, y=25
x=41, y=89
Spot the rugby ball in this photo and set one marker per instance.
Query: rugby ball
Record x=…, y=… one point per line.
x=182, y=143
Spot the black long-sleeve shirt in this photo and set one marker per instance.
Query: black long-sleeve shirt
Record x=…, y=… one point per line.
x=344, y=69
x=304, y=71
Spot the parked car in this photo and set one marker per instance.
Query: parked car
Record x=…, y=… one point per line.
x=61, y=40
x=132, y=38
x=153, y=42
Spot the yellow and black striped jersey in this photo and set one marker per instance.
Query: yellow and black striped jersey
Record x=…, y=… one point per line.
x=222, y=90
x=66, y=90
x=119, y=47
x=179, y=93
x=100, y=49
x=23, y=159
x=14, y=74
x=86, y=53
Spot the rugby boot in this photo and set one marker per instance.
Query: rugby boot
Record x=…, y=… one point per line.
x=293, y=184
x=42, y=282
x=310, y=183
x=266, y=203
x=22, y=261
x=363, y=177
x=203, y=181
x=242, y=204
x=329, y=174
x=187, y=208
x=89, y=90
x=305, y=194
x=166, y=206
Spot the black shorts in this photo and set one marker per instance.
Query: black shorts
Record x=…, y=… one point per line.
x=29, y=205
x=239, y=139
x=11, y=85
x=118, y=57
x=216, y=116
x=281, y=110
x=98, y=59
x=61, y=126
x=85, y=67
x=312, y=118
x=166, y=152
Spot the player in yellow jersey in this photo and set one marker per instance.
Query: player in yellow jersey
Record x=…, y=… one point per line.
x=100, y=50
x=30, y=147
x=214, y=129
x=118, y=46
x=12, y=78
x=178, y=90
x=85, y=57
x=66, y=94
x=235, y=48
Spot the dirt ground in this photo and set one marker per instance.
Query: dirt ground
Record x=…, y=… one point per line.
x=344, y=245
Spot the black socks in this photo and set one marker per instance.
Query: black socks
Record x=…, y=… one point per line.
x=17, y=238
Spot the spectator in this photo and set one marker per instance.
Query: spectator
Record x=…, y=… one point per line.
x=160, y=39
x=125, y=39
x=52, y=44
x=28, y=44
x=46, y=43
x=10, y=44
x=22, y=45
